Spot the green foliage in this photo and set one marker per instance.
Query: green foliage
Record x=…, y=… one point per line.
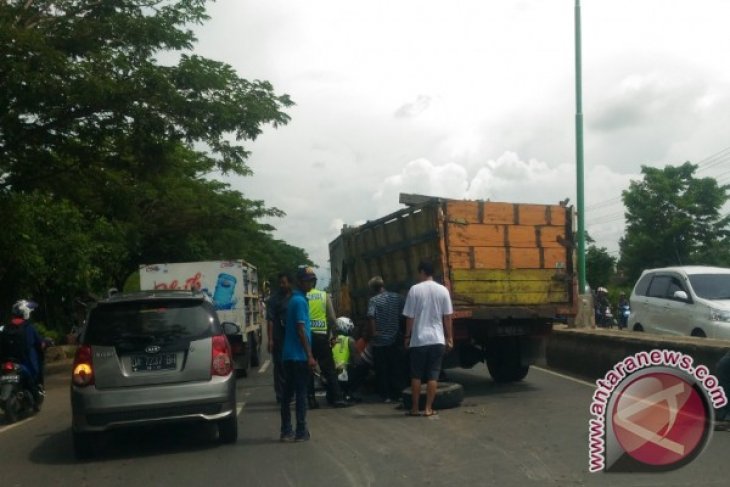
x=600, y=266
x=673, y=218
x=105, y=152
x=57, y=335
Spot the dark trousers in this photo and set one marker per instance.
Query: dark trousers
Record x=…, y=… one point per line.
x=323, y=355
x=296, y=375
x=388, y=371
x=279, y=377
x=356, y=375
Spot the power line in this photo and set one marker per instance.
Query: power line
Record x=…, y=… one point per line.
x=714, y=160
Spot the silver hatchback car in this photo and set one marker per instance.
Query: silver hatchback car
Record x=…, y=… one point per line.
x=152, y=357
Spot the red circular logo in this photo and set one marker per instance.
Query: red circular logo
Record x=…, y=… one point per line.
x=660, y=419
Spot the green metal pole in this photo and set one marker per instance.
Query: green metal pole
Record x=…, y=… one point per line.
x=579, y=155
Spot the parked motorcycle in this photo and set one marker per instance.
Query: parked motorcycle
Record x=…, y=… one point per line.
x=16, y=400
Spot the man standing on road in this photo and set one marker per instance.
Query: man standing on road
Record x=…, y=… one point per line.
x=276, y=322
x=323, y=319
x=297, y=358
x=384, y=312
x=429, y=333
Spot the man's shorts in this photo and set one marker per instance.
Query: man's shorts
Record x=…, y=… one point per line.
x=426, y=361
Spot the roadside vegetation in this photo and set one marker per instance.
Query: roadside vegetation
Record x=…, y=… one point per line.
x=111, y=158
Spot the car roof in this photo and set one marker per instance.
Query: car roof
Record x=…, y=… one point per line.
x=181, y=295
x=691, y=270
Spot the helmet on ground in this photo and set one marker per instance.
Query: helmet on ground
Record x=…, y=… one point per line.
x=344, y=325
x=23, y=308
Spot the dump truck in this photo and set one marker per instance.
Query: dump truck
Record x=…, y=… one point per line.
x=509, y=268
x=233, y=288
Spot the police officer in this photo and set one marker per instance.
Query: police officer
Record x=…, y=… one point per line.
x=322, y=318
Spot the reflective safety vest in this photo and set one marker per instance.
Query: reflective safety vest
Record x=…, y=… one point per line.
x=341, y=352
x=318, y=310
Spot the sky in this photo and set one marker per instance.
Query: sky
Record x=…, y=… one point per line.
x=472, y=99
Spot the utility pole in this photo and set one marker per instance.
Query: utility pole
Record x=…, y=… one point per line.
x=579, y=155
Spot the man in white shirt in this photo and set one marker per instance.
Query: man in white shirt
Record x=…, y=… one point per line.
x=429, y=334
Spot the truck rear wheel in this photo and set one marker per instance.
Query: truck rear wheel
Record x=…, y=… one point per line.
x=504, y=360
x=503, y=372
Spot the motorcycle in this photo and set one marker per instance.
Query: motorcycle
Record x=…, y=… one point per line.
x=604, y=317
x=623, y=316
x=16, y=400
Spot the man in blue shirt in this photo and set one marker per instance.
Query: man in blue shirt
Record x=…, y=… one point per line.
x=297, y=357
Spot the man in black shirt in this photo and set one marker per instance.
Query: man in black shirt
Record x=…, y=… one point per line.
x=275, y=319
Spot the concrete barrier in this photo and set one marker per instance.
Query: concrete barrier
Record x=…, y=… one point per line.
x=592, y=353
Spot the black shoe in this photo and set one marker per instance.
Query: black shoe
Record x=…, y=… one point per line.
x=312, y=403
x=303, y=437
x=287, y=437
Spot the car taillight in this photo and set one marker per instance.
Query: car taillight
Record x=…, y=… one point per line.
x=8, y=367
x=83, y=369
x=222, y=363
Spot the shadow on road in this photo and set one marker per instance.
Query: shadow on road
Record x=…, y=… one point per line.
x=476, y=385
x=56, y=449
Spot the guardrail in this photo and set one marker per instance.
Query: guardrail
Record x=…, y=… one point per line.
x=591, y=353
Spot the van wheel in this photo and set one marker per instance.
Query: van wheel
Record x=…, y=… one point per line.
x=448, y=395
x=228, y=429
x=698, y=333
x=638, y=327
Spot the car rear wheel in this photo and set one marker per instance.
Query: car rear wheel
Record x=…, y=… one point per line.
x=698, y=333
x=228, y=429
x=638, y=327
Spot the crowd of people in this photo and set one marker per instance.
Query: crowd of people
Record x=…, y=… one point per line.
x=403, y=339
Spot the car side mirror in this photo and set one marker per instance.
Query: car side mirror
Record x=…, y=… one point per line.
x=681, y=296
x=230, y=328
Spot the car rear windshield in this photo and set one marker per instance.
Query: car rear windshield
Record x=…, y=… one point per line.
x=711, y=286
x=158, y=321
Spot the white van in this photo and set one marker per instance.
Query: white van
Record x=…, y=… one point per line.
x=683, y=301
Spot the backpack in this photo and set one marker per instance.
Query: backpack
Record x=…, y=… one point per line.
x=13, y=344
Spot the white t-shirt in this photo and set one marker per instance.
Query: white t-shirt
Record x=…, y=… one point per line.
x=427, y=303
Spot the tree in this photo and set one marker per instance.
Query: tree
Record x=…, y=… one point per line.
x=673, y=218
x=106, y=152
x=600, y=266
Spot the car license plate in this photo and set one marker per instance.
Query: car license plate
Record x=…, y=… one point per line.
x=151, y=363
x=13, y=378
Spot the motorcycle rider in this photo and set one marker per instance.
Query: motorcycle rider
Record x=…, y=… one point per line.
x=601, y=305
x=20, y=341
x=623, y=310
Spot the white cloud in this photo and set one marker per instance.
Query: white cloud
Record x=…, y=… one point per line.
x=477, y=84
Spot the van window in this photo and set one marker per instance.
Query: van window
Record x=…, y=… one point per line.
x=659, y=286
x=674, y=286
x=643, y=285
x=711, y=286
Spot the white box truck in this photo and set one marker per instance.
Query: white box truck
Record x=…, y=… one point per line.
x=232, y=286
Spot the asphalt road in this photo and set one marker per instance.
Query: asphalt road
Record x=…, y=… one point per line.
x=529, y=433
